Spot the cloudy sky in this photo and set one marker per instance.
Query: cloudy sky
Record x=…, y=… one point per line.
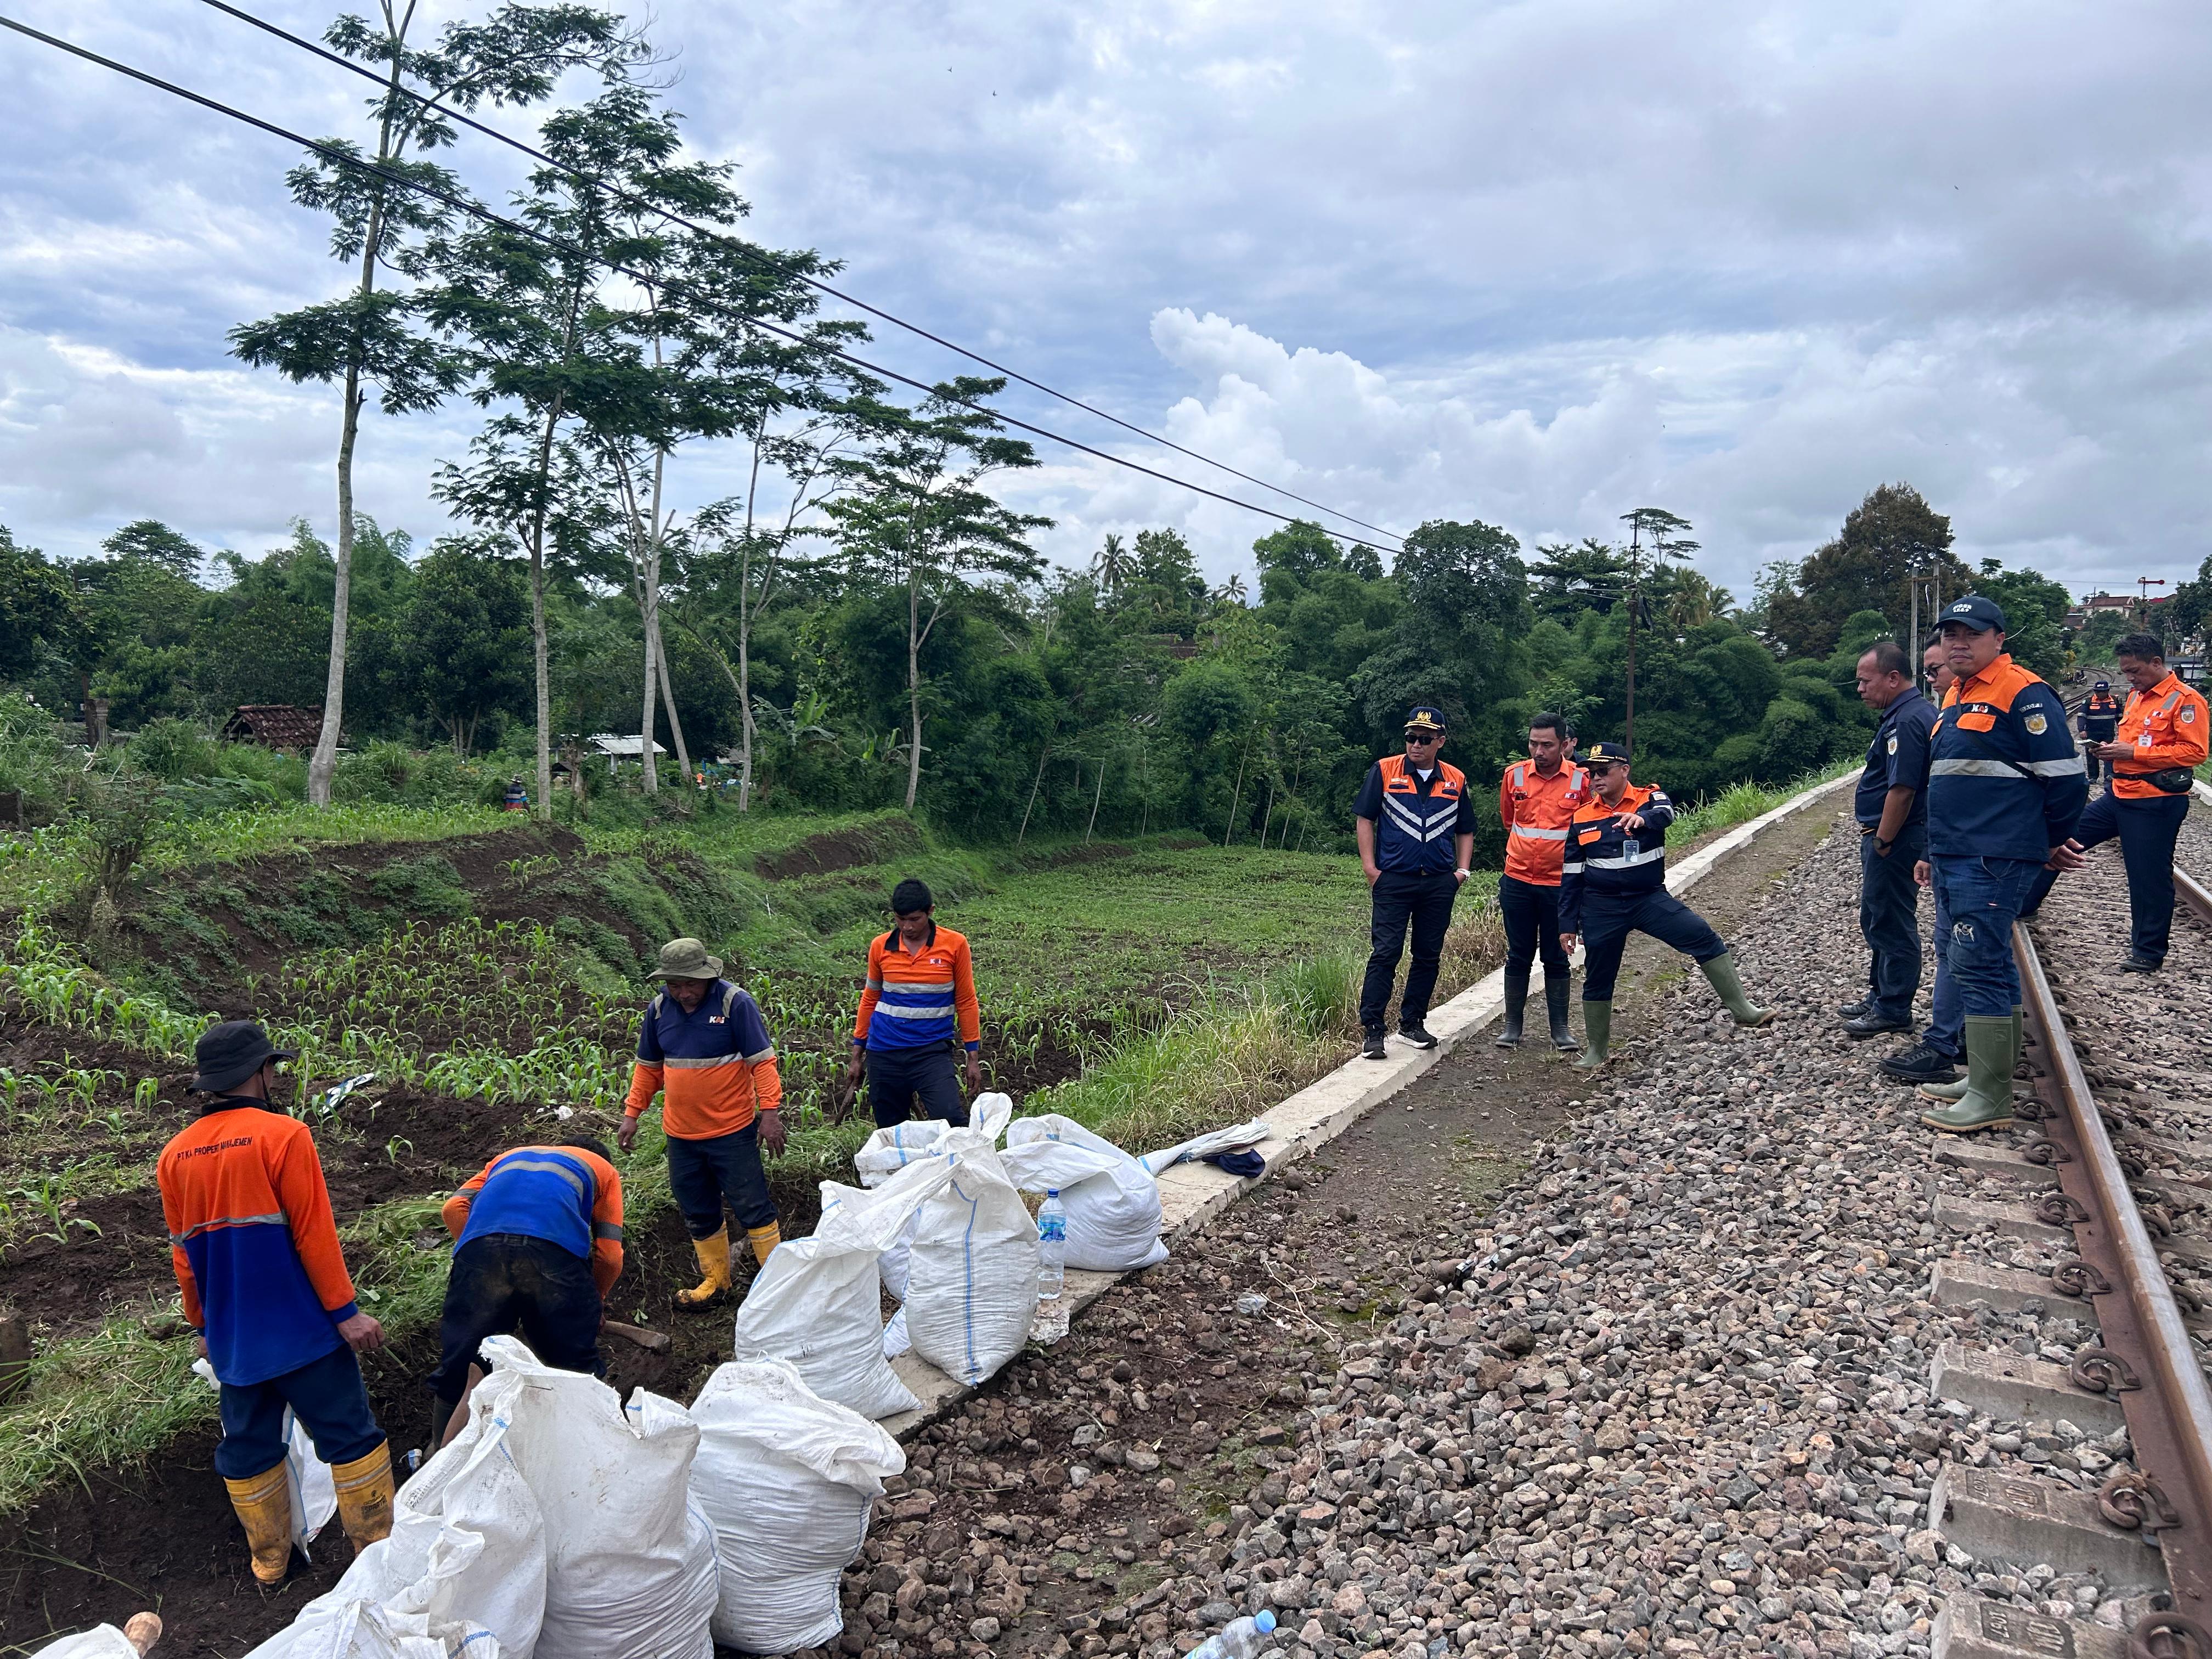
x=1535, y=264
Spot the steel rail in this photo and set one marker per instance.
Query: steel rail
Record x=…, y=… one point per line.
x=2145, y=1356
x=2193, y=893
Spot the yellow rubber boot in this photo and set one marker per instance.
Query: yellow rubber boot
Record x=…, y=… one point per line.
x=364, y=1488
x=265, y=1509
x=763, y=1239
x=714, y=1263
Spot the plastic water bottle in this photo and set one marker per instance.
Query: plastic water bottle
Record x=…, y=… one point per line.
x=1051, y=1323
x=1242, y=1639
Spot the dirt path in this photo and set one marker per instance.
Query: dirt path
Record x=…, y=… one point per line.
x=1080, y=1502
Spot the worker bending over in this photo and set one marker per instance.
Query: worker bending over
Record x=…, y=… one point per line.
x=704, y=1047
x=1614, y=884
x=538, y=1243
x=917, y=1011
x=264, y=1284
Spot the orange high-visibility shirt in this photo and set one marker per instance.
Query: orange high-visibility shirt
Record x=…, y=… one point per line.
x=1536, y=812
x=2165, y=726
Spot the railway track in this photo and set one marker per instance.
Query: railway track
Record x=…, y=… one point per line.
x=2109, y=1187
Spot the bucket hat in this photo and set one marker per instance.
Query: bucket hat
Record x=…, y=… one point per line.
x=232, y=1051
x=686, y=958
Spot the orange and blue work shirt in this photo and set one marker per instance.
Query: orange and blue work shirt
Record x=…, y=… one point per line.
x=2004, y=779
x=2100, y=716
x=917, y=998
x=1417, y=820
x=1536, y=810
x=1606, y=860
x=567, y=1196
x=2165, y=726
x=714, y=1067
x=252, y=1237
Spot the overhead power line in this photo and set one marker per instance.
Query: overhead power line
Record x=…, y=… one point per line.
x=476, y=210
x=620, y=194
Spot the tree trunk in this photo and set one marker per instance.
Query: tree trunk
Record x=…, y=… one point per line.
x=1035, y=783
x=652, y=682
x=324, y=761
x=914, y=695
x=540, y=662
x=668, y=699
x=1095, y=795
x=1238, y=796
x=745, y=633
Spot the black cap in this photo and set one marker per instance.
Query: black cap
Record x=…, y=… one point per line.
x=1976, y=613
x=2102, y=685
x=1422, y=720
x=233, y=1052
x=1605, y=753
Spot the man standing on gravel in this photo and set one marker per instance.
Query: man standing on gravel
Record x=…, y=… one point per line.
x=1614, y=884
x=2100, y=721
x=264, y=1283
x=1536, y=802
x=1416, y=827
x=704, y=1047
x=1891, y=810
x=2153, y=753
x=1935, y=1057
x=2005, y=789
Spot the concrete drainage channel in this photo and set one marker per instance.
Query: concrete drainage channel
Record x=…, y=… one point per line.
x=2115, y=1167
x=1191, y=1195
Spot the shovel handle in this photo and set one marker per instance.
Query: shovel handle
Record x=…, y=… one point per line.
x=651, y=1341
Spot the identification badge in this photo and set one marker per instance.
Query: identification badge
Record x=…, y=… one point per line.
x=2036, y=726
x=1632, y=848
x=1892, y=743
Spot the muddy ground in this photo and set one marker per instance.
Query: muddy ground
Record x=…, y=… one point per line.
x=1177, y=1410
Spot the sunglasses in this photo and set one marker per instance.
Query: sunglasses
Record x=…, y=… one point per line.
x=1424, y=737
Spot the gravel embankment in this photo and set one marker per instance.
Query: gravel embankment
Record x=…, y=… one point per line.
x=1678, y=1403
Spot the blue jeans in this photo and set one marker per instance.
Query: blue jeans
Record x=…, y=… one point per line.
x=1608, y=921
x=702, y=1174
x=1947, y=1015
x=327, y=1395
x=1889, y=920
x=1981, y=898
x=2146, y=830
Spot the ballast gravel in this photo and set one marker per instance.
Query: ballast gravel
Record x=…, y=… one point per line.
x=1669, y=1392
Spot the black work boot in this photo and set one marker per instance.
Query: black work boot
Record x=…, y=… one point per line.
x=1517, y=1001
x=1555, y=1004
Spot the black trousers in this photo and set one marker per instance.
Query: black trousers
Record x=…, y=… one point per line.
x=704, y=1174
x=1608, y=922
x=1400, y=900
x=504, y=1283
x=1531, y=915
x=2146, y=830
x=897, y=1078
x=1889, y=919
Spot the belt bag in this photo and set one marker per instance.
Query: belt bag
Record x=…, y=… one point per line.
x=2173, y=780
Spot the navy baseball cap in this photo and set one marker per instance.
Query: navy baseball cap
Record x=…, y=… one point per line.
x=1605, y=753
x=1976, y=613
x=1422, y=720
x=2102, y=685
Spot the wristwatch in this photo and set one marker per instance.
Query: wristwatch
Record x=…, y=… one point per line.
x=1881, y=846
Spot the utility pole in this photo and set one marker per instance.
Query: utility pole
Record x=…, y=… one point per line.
x=2143, y=586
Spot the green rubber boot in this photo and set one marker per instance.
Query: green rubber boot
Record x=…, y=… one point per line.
x=1947, y=1092
x=1597, y=1032
x=1721, y=970
x=1987, y=1103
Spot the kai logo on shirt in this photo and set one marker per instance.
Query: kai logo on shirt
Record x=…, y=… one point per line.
x=2037, y=725
x=1892, y=743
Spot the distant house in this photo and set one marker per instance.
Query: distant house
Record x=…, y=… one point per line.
x=274, y=725
x=617, y=750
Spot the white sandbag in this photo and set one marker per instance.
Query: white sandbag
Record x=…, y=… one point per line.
x=972, y=1291
x=463, y=1569
x=307, y=1478
x=896, y=1340
x=890, y=1149
x=1113, y=1202
x=101, y=1642
x=1206, y=1146
x=816, y=1302
x=788, y=1479
x=629, y=1560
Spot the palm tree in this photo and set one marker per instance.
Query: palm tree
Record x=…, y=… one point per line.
x=1110, y=565
x=1231, y=591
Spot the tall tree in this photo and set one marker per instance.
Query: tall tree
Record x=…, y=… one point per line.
x=1868, y=567
x=915, y=515
x=371, y=338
